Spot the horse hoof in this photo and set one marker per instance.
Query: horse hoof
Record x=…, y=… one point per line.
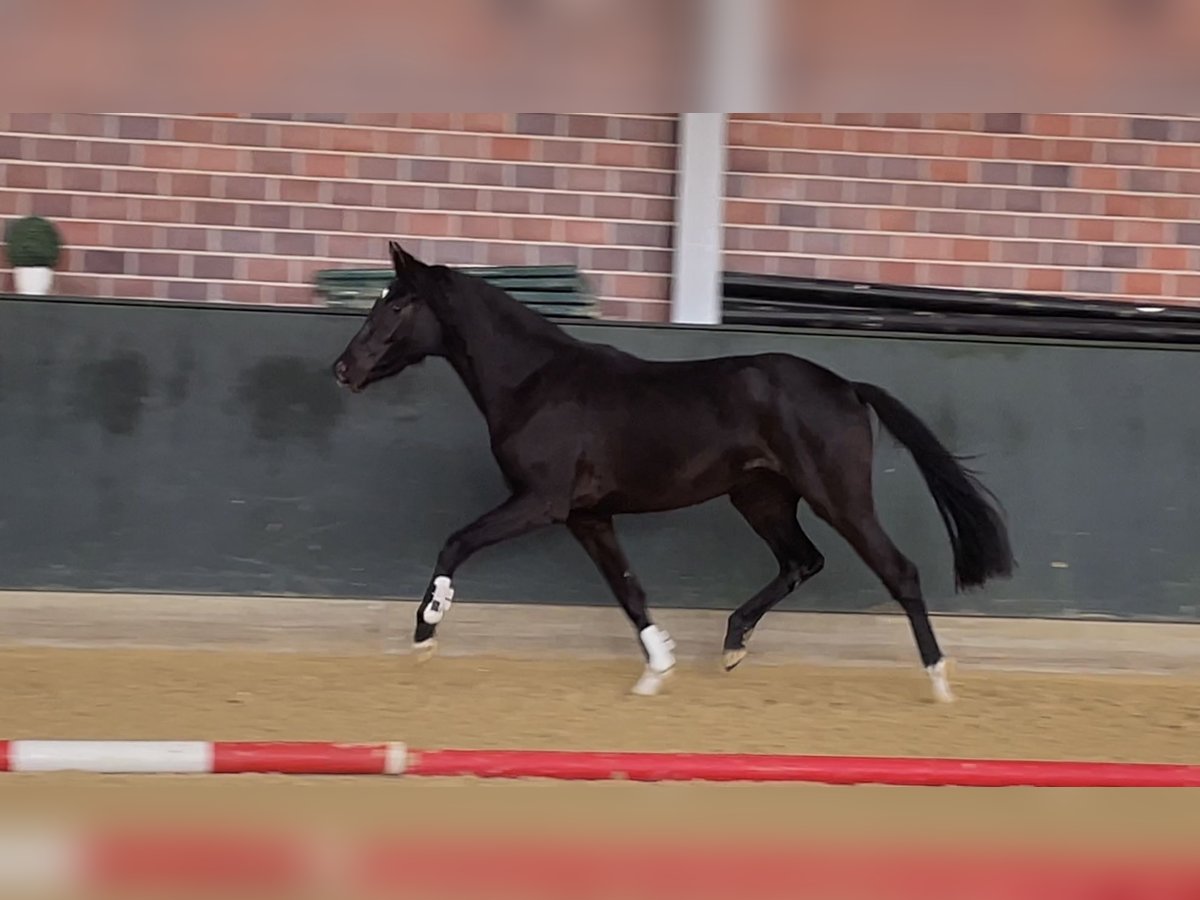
x=732, y=658
x=651, y=682
x=940, y=682
x=425, y=650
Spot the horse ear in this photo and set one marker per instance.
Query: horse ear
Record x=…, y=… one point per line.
x=401, y=258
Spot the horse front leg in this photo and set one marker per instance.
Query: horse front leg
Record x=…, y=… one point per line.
x=518, y=515
x=598, y=538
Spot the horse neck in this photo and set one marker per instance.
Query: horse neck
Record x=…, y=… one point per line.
x=495, y=344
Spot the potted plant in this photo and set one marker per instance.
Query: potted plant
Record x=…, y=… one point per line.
x=33, y=246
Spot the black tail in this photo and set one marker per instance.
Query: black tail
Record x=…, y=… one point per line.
x=977, y=532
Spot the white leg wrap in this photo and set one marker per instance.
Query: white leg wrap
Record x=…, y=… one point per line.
x=443, y=594
x=658, y=646
x=941, y=683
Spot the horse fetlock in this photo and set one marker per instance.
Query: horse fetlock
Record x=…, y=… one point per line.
x=940, y=680
x=426, y=649
x=659, y=649
x=441, y=595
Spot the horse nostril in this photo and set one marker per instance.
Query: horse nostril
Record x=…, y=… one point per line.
x=340, y=369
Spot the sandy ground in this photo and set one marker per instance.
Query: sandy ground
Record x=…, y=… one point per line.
x=496, y=702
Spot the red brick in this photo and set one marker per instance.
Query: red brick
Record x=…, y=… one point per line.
x=1143, y=283
x=217, y=159
x=571, y=205
x=457, y=145
x=59, y=151
x=1171, y=156
x=1186, y=285
x=953, y=121
x=325, y=166
x=902, y=120
x=133, y=236
x=1050, y=125
x=1126, y=205
x=82, y=124
x=875, y=141
x=241, y=292
x=1168, y=258
x=512, y=148
x=247, y=134
x=737, y=212
x=267, y=270
x=154, y=210
x=318, y=218
x=133, y=182
x=432, y=121
x=301, y=137
x=587, y=180
x=923, y=247
x=875, y=246
x=163, y=156
x=1124, y=154
x=1141, y=232
x=619, y=155
x=1023, y=253
x=798, y=163
x=971, y=251
x=536, y=230
x=854, y=270
x=108, y=154
x=192, y=291
x=299, y=191
x=190, y=185
x=192, y=131
x=825, y=138
x=950, y=170
x=1100, y=179
x=1173, y=208
x=26, y=177
x=849, y=217
x=373, y=221
x=1072, y=151
x=104, y=207
x=351, y=193
x=1095, y=230
x=891, y=272
x=272, y=163
x=585, y=232
x=929, y=144
x=979, y=146
x=80, y=233
x=426, y=224
x=1047, y=280
x=485, y=122
x=158, y=264
x=1101, y=126
x=1026, y=148
x=898, y=220
x=352, y=140
x=243, y=188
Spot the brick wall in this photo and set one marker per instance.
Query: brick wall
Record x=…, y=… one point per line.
x=225, y=207
x=1086, y=205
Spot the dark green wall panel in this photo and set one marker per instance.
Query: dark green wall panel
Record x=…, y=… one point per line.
x=160, y=448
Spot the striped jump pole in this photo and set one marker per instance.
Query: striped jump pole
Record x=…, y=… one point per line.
x=394, y=758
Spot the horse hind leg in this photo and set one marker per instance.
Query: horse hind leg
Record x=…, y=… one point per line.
x=768, y=504
x=850, y=511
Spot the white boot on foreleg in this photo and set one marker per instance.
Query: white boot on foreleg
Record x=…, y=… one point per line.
x=660, y=660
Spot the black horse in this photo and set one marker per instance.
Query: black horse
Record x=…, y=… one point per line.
x=583, y=432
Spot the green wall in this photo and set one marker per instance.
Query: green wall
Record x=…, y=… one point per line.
x=206, y=449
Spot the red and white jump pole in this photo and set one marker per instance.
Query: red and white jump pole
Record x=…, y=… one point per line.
x=393, y=758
